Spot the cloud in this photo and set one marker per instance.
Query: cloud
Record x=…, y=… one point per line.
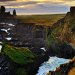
x=22, y=3
x=6, y=0
x=46, y=8
x=38, y=6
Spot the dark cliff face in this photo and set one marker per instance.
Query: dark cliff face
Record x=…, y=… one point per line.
x=6, y=66
x=30, y=33
x=24, y=34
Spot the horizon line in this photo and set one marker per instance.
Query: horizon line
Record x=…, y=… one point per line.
x=40, y=13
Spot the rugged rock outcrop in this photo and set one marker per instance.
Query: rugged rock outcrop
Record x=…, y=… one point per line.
x=3, y=12
x=23, y=34
x=30, y=34
x=62, y=50
x=63, y=31
x=72, y=11
x=6, y=66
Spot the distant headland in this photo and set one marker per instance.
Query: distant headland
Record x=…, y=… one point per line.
x=3, y=12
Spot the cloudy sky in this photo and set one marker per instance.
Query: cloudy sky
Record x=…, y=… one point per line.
x=38, y=6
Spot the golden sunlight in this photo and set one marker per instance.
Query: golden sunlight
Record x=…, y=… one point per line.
x=31, y=0
x=23, y=0
x=41, y=0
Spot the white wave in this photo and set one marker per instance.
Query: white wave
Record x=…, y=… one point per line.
x=0, y=42
x=10, y=24
x=0, y=48
x=2, y=23
x=9, y=38
x=51, y=65
x=43, y=48
x=8, y=29
x=5, y=30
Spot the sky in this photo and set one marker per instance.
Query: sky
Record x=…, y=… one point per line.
x=38, y=6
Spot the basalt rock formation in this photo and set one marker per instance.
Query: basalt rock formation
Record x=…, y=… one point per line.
x=6, y=66
x=3, y=12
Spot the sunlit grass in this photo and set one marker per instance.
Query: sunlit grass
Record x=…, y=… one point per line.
x=47, y=20
x=19, y=55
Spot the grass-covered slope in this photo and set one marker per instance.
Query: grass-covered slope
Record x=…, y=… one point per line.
x=61, y=40
x=19, y=55
x=63, y=30
x=47, y=20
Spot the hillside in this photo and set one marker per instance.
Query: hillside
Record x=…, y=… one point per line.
x=64, y=29
x=16, y=58
x=61, y=40
x=18, y=55
x=47, y=20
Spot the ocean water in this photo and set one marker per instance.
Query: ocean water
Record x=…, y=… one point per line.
x=51, y=65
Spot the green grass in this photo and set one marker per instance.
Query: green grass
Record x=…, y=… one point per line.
x=47, y=20
x=73, y=25
x=19, y=55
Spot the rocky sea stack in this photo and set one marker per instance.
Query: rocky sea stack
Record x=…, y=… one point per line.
x=72, y=10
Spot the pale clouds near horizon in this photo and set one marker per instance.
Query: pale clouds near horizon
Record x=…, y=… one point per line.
x=38, y=6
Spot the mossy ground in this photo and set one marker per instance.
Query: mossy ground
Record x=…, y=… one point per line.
x=18, y=55
x=47, y=20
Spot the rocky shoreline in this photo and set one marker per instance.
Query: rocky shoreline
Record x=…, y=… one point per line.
x=64, y=69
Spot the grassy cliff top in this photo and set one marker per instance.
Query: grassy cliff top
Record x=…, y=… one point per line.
x=18, y=55
x=47, y=20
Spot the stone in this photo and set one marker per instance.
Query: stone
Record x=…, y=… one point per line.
x=72, y=10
